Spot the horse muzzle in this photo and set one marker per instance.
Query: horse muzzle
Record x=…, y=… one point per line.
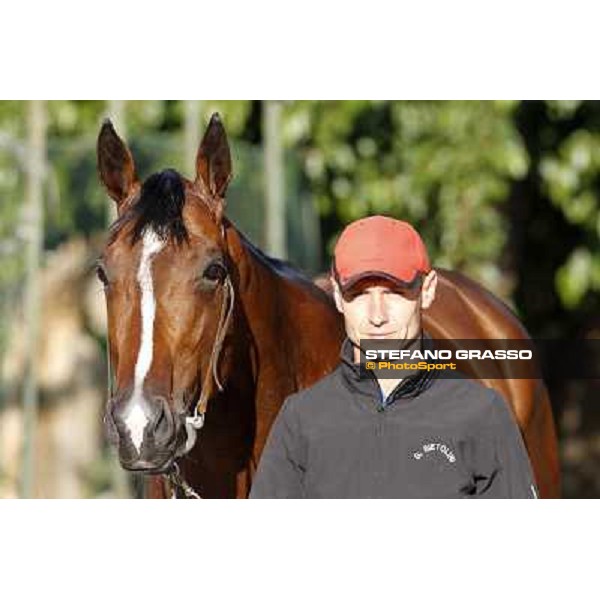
x=148, y=435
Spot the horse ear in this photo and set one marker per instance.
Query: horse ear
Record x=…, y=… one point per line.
x=115, y=164
x=213, y=161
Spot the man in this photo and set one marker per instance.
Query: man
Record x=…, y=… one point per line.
x=353, y=435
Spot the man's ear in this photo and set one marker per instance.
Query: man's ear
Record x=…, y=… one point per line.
x=337, y=295
x=428, y=289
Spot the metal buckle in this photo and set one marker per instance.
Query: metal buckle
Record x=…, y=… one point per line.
x=177, y=481
x=196, y=421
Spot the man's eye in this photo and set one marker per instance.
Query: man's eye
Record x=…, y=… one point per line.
x=215, y=272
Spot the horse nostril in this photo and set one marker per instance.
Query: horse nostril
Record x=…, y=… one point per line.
x=163, y=429
x=110, y=426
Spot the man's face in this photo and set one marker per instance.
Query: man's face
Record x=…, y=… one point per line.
x=375, y=308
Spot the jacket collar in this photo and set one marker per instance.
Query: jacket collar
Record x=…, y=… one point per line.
x=365, y=382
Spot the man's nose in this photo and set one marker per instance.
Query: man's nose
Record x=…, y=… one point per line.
x=377, y=309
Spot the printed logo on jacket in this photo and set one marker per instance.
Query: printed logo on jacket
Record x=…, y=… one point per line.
x=434, y=449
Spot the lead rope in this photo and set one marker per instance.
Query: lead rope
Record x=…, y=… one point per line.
x=178, y=482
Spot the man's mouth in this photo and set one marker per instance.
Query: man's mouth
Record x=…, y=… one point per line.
x=380, y=334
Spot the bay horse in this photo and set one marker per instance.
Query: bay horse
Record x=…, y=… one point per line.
x=207, y=335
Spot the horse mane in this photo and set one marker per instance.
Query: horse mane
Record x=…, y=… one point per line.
x=159, y=207
x=283, y=268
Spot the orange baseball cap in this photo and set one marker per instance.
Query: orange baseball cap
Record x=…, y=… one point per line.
x=380, y=247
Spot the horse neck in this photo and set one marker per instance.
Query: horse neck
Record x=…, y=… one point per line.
x=265, y=291
x=259, y=287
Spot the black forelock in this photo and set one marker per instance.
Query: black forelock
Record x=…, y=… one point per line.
x=160, y=207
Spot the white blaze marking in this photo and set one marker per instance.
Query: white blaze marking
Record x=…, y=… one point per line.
x=136, y=421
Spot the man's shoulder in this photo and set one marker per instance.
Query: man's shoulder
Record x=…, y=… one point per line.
x=316, y=395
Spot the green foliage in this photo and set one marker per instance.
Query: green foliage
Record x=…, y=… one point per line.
x=571, y=176
x=444, y=166
x=580, y=274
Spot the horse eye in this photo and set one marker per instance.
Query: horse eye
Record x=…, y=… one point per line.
x=215, y=272
x=101, y=274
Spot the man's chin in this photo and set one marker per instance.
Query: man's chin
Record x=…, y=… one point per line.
x=402, y=340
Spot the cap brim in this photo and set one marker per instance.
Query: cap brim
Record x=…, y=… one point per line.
x=413, y=284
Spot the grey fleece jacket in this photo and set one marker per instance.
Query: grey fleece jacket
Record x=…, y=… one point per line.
x=434, y=438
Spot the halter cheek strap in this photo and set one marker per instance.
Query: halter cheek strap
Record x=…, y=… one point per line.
x=196, y=421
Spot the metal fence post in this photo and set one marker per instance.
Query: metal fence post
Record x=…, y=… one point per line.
x=191, y=135
x=275, y=218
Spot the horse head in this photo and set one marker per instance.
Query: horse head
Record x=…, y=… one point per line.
x=167, y=275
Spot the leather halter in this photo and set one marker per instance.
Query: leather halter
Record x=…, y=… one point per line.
x=196, y=421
